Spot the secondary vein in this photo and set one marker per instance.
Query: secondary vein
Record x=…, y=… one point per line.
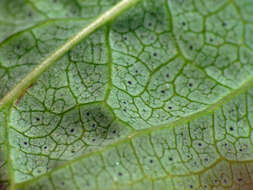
x=107, y=16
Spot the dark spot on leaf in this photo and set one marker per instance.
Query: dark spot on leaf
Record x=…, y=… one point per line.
x=25, y=143
x=18, y=47
x=191, y=186
x=45, y=147
x=231, y=128
x=150, y=24
x=37, y=118
x=190, y=85
x=136, y=71
x=191, y=47
x=206, y=159
x=93, y=140
x=124, y=102
x=240, y=150
x=114, y=131
x=200, y=144
x=72, y=130
x=120, y=174
x=155, y=54
x=124, y=110
x=88, y=113
x=167, y=75
x=183, y=23
x=162, y=91
x=129, y=82
x=125, y=38
x=224, y=24
x=94, y=125
x=170, y=158
x=151, y=161
x=169, y=107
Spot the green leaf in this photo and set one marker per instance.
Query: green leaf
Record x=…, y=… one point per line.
x=158, y=98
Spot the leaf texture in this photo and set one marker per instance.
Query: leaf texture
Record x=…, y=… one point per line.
x=160, y=98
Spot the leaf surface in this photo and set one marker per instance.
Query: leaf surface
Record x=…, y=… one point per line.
x=160, y=98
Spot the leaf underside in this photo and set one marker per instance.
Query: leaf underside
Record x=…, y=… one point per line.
x=160, y=98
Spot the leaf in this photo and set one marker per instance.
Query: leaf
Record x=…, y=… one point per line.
x=160, y=98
